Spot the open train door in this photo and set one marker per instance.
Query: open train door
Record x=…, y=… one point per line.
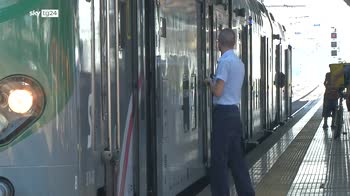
x=151, y=97
x=216, y=18
x=207, y=38
x=128, y=100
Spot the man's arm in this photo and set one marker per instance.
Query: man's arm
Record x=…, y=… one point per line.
x=216, y=88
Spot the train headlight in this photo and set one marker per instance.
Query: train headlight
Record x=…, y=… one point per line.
x=22, y=101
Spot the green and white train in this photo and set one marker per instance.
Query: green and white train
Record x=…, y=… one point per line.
x=105, y=97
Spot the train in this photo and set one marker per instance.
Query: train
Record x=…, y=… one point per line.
x=106, y=97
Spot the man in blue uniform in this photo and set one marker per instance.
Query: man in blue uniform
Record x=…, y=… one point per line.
x=226, y=148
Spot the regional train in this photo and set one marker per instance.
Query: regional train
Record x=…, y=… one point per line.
x=106, y=97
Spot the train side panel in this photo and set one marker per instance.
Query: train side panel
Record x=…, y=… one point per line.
x=93, y=134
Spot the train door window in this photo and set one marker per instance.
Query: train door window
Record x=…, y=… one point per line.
x=278, y=57
x=268, y=52
x=216, y=36
x=121, y=27
x=125, y=56
x=193, y=102
x=87, y=74
x=209, y=36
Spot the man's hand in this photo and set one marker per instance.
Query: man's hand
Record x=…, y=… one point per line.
x=207, y=81
x=216, y=88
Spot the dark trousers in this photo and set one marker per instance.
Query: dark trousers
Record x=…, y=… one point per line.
x=226, y=150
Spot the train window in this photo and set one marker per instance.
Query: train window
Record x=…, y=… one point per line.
x=186, y=102
x=122, y=28
x=163, y=27
x=193, y=102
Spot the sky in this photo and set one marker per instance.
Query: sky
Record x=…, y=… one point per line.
x=309, y=30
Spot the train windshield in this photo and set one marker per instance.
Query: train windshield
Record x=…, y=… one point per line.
x=13, y=8
x=8, y=3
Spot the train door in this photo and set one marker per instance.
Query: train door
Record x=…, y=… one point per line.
x=141, y=157
x=207, y=38
x=126, y=78
x=179, y=140
x=151, y=97
x=216, y=18
x=246, y=101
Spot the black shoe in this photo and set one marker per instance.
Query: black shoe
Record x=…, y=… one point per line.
x=325, y=126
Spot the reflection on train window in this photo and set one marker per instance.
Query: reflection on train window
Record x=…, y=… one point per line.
x=122, y=24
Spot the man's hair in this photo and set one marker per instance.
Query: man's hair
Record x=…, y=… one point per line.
x=227, y=38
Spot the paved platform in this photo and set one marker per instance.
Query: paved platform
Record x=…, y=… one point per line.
x=326, y=167
x=306, y=160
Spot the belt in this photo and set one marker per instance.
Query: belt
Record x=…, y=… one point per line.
x=219, y=106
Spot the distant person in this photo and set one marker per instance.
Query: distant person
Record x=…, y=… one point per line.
x=330, y=101
x=345, y=72
x=226, y=146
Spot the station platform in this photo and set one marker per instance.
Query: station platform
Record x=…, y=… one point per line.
x=301, y=159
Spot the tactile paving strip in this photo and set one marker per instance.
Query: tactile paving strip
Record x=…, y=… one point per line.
x=265, y=163
x=279, y=179
x=326, y=167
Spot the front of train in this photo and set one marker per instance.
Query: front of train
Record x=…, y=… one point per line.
x=38, y=124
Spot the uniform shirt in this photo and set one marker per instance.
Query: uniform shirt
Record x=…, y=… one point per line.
x=231, y=70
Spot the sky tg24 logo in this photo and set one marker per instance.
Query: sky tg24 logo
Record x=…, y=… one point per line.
x=45, y=13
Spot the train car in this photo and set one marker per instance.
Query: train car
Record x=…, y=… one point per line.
x=55, y=109
x=106, y=98
x=254, y=54
x=284, y=72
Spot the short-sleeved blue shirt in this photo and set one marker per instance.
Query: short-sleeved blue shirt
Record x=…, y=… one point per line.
x=231, y=70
